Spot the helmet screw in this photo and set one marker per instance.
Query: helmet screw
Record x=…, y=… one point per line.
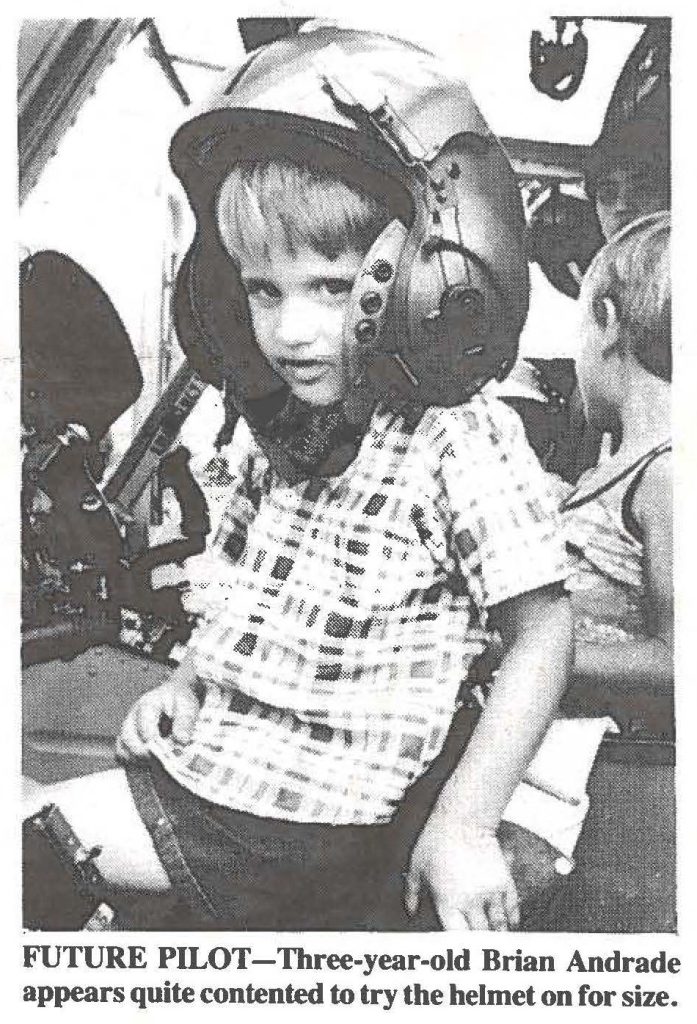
x=382, y=271
x=365, y=331
x=371, y=302
x=454, y=170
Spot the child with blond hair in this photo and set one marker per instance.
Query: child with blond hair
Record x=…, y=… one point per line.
x=349, y=597
x=619, y=517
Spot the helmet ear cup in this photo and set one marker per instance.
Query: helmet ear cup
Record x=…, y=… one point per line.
x=457, y=332
x=428, y=319
x=376, y=369
x=461, y=294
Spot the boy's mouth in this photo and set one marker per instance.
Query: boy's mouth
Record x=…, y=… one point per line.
x=306, y=370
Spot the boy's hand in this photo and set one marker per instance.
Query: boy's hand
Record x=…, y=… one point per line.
x=169, y=709
x=466, y=875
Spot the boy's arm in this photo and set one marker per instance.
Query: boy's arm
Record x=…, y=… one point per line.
x=176, y=699
x=645, y=663
x=456, y=857
x=175, y=704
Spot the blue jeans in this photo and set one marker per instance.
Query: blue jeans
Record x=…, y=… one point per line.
x=235, y=870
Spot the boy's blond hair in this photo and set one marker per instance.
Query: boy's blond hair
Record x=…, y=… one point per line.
x=281, y=203
x=633, y=271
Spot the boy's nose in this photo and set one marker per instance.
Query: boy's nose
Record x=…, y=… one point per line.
x=625, y=204
x=296, y=325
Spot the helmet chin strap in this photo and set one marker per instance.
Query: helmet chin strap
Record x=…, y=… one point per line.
x=304, y=440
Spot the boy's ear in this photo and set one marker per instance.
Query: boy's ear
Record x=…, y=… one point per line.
x=611, y=314
x=607, y=314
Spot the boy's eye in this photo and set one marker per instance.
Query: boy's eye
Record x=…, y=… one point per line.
x=335, y=287
x=607, y=191
x=261, y=290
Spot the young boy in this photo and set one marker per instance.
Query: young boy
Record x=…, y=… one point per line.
x=342, y=615
x=619, y=518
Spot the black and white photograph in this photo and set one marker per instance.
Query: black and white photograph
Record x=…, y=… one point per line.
x=345, y=352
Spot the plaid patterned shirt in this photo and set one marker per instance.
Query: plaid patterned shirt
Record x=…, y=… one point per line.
x=344, y=613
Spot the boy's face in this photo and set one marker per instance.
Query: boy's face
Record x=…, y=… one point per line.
x=629, y=191
x=298, y=304
x=598, y=365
